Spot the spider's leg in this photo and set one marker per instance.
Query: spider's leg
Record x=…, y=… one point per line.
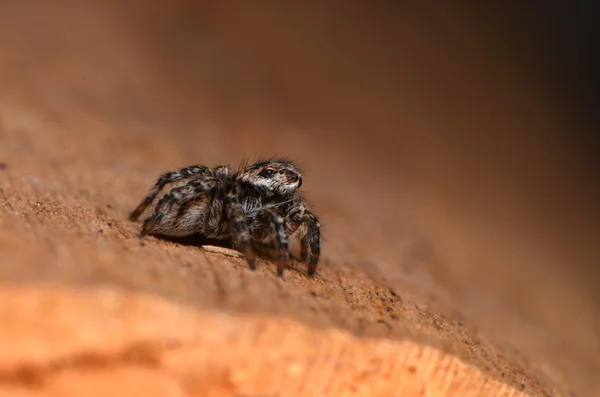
x=310, y=235
x=164, y=213
x=311, y=240
x=293, y=222
x=276, y=239
x=240, y=233
x=304, y=248
x=169, y=177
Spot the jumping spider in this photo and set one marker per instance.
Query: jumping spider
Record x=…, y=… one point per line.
x=257, y=208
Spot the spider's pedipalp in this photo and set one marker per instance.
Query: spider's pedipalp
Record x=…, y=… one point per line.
x=166, y=178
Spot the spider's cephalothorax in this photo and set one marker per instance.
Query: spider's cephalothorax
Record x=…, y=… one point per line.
x=257, y=208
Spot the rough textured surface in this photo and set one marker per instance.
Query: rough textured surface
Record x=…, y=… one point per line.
x=423, y=289
x=70, y=227
x=122, y=345
x=67, y=223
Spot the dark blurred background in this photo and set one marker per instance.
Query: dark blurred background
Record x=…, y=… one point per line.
x=467, y=129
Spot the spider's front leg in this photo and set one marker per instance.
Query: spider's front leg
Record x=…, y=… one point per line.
x=272, y=238
x=169, y=177
x=239, y=228
x=310, y=242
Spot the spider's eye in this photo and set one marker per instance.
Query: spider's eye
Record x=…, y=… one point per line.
x=267, y=173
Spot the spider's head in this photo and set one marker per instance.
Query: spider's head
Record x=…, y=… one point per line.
x=273, y=176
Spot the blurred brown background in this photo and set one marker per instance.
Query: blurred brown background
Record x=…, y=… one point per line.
x=450, y=143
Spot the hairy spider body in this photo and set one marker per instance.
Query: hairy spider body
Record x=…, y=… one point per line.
x=257, y=207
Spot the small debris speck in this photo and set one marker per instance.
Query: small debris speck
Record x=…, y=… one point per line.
x=382, y=321
x=185, y=264
x=101, y=230
x=3, y=166
x=389, y=309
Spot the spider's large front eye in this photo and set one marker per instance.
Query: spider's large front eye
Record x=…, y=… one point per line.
x=267, y=173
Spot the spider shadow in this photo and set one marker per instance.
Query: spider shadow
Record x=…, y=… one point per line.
x=197, y=240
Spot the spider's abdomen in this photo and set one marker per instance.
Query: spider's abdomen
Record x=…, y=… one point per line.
x=202, y=215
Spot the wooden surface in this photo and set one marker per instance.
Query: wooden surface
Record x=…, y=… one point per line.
x=435, y=279
x=102, y=341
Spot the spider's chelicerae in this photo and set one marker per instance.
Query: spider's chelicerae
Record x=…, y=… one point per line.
x=257, y=208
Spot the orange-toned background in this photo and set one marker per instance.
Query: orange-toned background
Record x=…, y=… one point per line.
x=438, y=147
